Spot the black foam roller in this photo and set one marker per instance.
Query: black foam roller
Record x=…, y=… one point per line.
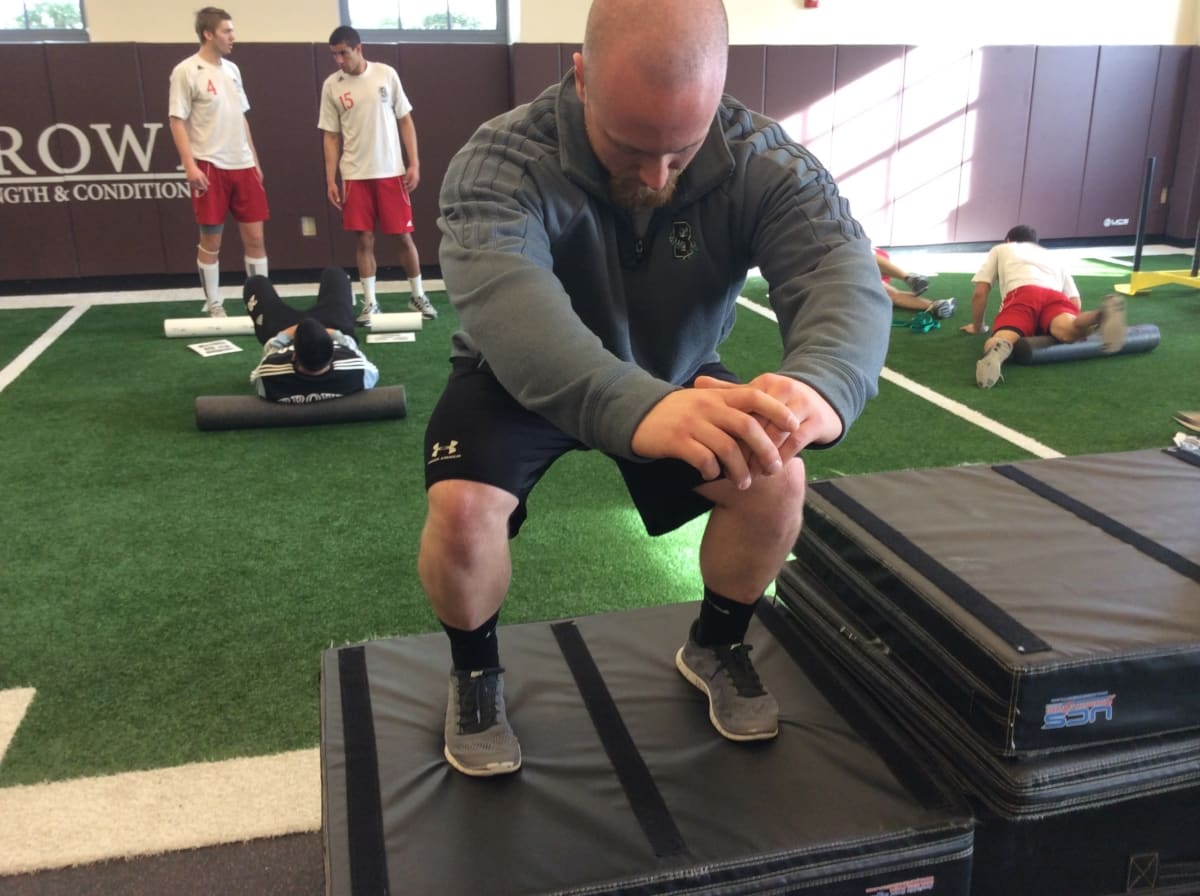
x=1048, y=350
x=217, y=412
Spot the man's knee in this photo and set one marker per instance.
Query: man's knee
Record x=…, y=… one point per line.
x=462, y=510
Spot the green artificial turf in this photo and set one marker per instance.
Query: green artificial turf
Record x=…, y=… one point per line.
x=169, y=592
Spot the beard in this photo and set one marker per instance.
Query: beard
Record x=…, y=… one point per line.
x=631, y=194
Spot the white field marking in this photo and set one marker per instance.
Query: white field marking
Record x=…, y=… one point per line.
x=145, y=813
x=1034, y=447
x=14, y=703
x=31, y=353
x=148, y=296
x=946, y=404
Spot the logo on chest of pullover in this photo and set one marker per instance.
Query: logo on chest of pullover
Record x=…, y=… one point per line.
x=683, y=243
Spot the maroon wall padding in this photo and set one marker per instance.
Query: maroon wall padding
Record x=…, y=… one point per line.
x=745, y=75
x=37, y=240
x=1055, y=137
x=1185, y=190
x=111, y=236
x=454, y=88
x=1170, y=92
x=993, y=158
x=868, y=82
x=1064, y=80
x=799, y=93
x=1117, y=141
x=533, y=67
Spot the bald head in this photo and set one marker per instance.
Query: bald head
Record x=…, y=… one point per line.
x=669, y=43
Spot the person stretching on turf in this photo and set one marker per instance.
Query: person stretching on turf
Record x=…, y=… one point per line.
x=1040, y=297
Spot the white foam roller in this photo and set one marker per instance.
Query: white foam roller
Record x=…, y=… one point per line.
x=241, y=325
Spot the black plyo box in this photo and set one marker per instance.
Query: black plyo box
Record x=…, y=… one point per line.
x=1048, y=604
x=838, y=804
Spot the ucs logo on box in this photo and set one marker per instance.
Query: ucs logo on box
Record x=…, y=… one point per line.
x=1083, y=709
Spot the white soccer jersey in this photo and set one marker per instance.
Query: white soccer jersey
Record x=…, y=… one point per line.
x=211, y=99
x=364, y=110
x=1025, y=264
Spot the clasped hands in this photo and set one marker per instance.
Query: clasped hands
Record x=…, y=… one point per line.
x=737, y=430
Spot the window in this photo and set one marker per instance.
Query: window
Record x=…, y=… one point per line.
x=29, y=21
x=428, y=21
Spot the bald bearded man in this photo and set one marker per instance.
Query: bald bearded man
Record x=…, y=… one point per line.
x=594, y=243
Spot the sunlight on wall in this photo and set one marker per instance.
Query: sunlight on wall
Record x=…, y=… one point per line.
x=918, y=22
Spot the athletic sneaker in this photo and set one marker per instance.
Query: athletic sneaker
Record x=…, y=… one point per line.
x=215, y=309
x=1111, y=323
x=738, y=705
x=942, y=308
x=1188, y=420
x=369, y=310
x=917, y=283
x=422, y=304
x=479, y=740
x=987, y=368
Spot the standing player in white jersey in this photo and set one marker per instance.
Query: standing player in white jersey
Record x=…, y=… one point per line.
x=207, y=109
x=364, y=117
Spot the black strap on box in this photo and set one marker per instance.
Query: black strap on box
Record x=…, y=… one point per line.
x=1104, y=522
x=364, y=817
x=957, y=589
x=643, y=794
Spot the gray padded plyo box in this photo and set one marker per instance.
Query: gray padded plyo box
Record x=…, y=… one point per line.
x=223, y=412
x=1103, y=819
x=625, y=787
x=1046, y=605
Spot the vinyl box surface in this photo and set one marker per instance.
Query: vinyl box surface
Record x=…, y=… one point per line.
x=1103, y=819
x=1048, y=605
x=625, y=786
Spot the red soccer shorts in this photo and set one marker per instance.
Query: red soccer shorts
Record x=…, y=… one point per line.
x=383, y=200
x=1029, y=310
x=240, y=192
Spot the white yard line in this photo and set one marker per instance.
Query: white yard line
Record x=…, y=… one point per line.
x=14, y=703
x=970, y=415
x=946, y=404
x=34, y=350
x=144, y=813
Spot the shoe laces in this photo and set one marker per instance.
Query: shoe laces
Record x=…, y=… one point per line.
x=477, y=700
x=735, y=660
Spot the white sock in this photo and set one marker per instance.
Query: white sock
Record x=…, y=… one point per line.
x=210, y=281
x=368, y=285
x=256, y=266
x=415, y=283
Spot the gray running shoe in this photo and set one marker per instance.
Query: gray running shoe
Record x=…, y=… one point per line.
x=422, y=304
x=479, y=740
x=942, y=308
x=738, y=705
x=987, y=368
x=917, y=283
x=215, y=309
x=1111, y=324
x=368, y=311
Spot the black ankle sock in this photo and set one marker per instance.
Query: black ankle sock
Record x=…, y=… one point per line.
x=722, y=621
x=475, y=649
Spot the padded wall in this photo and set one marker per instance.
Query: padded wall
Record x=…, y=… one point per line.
x=929, y=145
x=89, y=179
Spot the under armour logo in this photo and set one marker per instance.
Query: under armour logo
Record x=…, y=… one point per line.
x=252, y=303
x=450, y=449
